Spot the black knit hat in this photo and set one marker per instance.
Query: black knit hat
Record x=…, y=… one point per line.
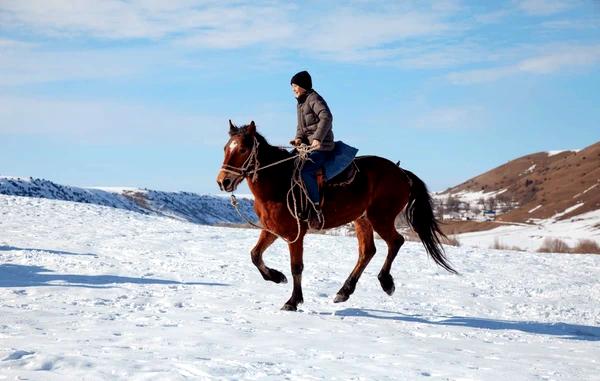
x=302, y=79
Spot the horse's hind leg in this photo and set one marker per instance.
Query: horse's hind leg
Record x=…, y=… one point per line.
x=264, y=241
x=366, y=251
x=384, y=226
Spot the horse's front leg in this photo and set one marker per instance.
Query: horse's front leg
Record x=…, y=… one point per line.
x=296, y=253
x=264, y=241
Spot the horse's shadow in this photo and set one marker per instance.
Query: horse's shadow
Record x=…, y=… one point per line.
x=14, y=275
x=563, y=330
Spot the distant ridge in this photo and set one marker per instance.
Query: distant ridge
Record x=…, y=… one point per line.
x=555, y=185
x=200, y=209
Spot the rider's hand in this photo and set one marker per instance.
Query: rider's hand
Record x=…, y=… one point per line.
x=315, y=144
x=296, y=142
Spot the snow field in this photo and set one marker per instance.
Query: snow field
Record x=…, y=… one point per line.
x=91, y=292
x=531, y=237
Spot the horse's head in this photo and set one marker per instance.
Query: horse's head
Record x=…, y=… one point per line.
x=240, y=154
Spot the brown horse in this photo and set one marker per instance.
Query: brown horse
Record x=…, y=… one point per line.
x=373, y=200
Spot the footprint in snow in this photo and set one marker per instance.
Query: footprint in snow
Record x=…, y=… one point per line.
x=17, y=355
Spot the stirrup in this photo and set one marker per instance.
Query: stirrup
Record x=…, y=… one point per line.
x=315, y=218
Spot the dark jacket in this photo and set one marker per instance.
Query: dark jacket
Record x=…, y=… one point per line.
x=314, y=120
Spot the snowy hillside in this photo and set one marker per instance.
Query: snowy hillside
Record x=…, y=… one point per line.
x=103, y=293
x=180, y=205
x=533, y=187
x=528, y=201
x=533, y=235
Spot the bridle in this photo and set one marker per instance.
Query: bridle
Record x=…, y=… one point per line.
x=251, y=165
x=244, y=170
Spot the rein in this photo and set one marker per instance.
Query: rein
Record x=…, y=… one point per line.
x=252, y=160
x=243, y=170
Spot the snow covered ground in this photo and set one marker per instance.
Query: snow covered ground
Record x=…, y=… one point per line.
x=201, y=209
x=531, y=237
x=97, y=293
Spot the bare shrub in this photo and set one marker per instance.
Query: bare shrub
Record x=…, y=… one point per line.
x=554, y=245
x=491, y=203
x=452, y=241
x=499, y=245
x=586, y=246
x=452, y=204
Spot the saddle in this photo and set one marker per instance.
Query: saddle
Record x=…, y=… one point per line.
x=343, y=178
x=340, y=170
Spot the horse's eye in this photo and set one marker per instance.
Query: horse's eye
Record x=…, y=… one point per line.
x=243, y=150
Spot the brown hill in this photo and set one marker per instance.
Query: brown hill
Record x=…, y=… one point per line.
x=542, y=185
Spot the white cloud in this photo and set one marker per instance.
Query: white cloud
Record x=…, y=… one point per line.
x=351, y=35
x=103, y=121
x=456, y=117
x=171, y=30
x=543, y=7
x=31, y=64
x=407, y=35
x=239, y=27
x=481, y=75
x=6, y=44
x=348, y=33
x=492, y=17
x=442, y=55
x=564, y=58
x=551, y=60
x=215, y=24
x=591, y=24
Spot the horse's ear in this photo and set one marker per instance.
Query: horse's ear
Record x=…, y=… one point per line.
x=251, y=128
x=232, y=129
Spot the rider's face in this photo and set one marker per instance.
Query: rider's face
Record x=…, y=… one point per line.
x=297, y=90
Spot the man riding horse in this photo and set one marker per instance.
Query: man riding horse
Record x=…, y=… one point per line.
x=373, y=199
x=315, y=129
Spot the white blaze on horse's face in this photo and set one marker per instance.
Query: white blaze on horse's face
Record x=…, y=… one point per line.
x=234, y=159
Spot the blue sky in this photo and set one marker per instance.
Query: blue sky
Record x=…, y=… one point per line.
x=138, y=93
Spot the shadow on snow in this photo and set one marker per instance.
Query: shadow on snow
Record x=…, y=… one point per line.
x=564, y=330
x=59, y=252
x=12, y=275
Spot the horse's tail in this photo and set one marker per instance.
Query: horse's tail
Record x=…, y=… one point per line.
x=419, y=214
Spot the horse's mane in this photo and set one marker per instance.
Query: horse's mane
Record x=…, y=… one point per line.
x=274, y=151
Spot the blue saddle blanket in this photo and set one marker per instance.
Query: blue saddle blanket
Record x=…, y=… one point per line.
x=341, y=157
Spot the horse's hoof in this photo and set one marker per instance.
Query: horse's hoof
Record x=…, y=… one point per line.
x=339, y=298
x=277, y=276
x=289, y=307
x=387, y=283
x=390, y=291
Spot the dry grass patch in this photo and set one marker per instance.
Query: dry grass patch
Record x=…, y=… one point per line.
x=451, y=240
x=586, y=246
x=498, y=245
x=554, y=245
